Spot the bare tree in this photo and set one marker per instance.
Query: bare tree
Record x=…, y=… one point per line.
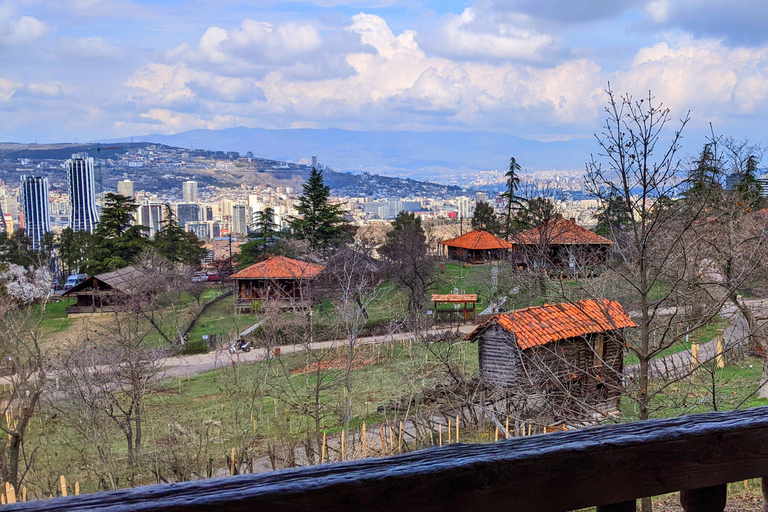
x=26, y=360
x=357, y=287
x=107, y=380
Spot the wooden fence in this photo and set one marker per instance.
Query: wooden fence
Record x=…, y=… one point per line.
x=606, y=466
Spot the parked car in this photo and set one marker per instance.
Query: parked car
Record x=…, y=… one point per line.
x=200, y=277
x=74, y=280
x=214, y=277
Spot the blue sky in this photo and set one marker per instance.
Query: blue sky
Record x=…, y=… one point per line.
x=98, y=69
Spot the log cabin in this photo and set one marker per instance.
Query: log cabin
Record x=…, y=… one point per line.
x=107, y=292
x=573, y=347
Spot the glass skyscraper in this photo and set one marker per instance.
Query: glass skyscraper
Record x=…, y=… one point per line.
x=35, y=207
x=82, y=193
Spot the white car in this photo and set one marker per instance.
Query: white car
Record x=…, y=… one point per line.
x=200, y=277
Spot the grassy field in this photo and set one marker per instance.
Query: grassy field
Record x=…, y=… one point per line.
x=702, y=335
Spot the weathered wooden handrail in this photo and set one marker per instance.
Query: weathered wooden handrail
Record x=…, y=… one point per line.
x=546, y=473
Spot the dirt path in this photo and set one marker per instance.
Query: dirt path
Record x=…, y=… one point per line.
x=182, y=366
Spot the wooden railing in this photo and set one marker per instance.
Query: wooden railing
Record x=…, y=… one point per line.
x=607, y=466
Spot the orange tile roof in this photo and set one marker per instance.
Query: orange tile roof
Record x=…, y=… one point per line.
x=478, y=240
x=280, y=267
x=455, y=298
x=560, y=231
x=540, y=325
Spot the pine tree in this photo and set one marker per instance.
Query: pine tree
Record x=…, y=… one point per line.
x=175, y=244
x=510, y=195
x=485, y=218
x=117, y=241
x=320, y=222
x=261, y=240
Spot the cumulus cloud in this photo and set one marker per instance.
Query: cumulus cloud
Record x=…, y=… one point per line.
x=485, y=34
x=18, y=30
x=705, y=75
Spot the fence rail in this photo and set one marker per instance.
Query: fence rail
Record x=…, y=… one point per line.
x=606, y=466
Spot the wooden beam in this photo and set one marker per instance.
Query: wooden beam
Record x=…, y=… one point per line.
x=541, y=473
x=705, y=499
x=627, y=506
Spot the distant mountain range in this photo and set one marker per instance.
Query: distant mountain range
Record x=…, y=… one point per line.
x=431, y=156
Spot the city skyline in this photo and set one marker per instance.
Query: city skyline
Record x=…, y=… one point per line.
x=509, y=67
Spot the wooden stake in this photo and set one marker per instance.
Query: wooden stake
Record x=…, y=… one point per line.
x=507, y=427
x=440, y=434
x=10, y=492
x=400, y=439
x=383, y=440
x=496, y=436
x=720, y=349
x=449, y=431
x=322, y=456
x=63, y=482
x=457, y=429
x=23, y=494
x=343, y=437
x=179, y=385
x=694, y=355
x=391, y=439
x=77, y=488
x=364, y=439
x=232, y=463
x=2, y=499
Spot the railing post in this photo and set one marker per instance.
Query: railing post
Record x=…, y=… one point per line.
x=765, y=494
x=705, y=499
x=627, y=506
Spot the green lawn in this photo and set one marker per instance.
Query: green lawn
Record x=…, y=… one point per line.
x=54, y=320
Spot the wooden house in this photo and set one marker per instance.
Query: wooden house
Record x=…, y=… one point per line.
x=560, y=244
x=280, y=279
x=106, y=292
x=573, y=348
x=477, y=247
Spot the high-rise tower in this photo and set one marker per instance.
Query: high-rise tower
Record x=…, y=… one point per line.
x=82, y=193
x=189, y=191
x=35, y=207
x=125, y=188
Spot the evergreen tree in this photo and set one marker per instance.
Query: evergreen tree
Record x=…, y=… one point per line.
x=510, y=195
x=320, y=222
x=535, y=212
x=117, y=241
x=72, y=247
x=613, y=216
x=485, y=218
x=706, y=173
x=175, y=244
x=261, y=240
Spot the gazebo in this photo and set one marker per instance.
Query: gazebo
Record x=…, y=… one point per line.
x=477, y=247
x=458, y=305
x=280, y=279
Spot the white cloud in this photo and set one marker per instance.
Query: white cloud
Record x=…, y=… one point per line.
x=485, y=34
x=17, y=30
x=706, y=76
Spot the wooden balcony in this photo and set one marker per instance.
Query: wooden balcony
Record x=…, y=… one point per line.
x=607, y=466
